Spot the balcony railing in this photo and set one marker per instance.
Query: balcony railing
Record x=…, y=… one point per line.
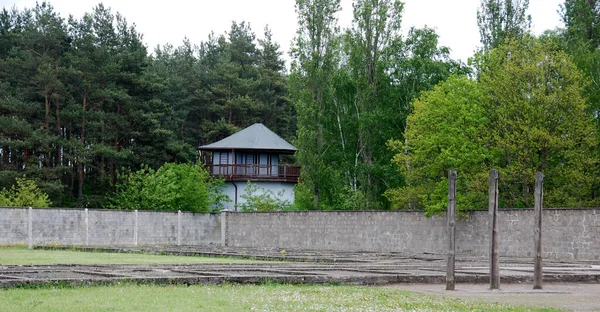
x=255, y=172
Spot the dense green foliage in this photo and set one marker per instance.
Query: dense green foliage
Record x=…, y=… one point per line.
x=172, y=187
x=581, y=39
x=352, y=92
x=83, y=100
x=502, y=20
x=540, y=122
x=445, y=131
x=24, y=194
x=257, y=198
x=524, y=114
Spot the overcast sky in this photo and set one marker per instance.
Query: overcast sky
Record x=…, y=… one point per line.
x=170, y=21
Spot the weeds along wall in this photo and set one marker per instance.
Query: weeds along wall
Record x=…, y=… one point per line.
x=567, y=233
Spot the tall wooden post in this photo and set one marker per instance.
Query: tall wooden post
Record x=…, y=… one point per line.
x=493, y=209
x=537, y=231
x=451, y=230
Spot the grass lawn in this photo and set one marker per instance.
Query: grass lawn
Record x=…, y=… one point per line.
x=268, y=297
x=24, y=256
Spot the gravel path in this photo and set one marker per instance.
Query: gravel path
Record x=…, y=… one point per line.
x=568, y=296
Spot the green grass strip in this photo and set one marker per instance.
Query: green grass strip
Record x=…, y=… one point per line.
x=268, y=297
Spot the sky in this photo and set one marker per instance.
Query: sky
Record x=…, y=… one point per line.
x=171, y=21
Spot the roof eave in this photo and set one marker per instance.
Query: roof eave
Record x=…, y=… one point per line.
x=281, y=151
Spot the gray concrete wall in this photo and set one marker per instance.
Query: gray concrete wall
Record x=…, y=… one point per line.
x=111, y=227
x=13, y=226
x=567, y=233
x=157, y=228
x=66, y=226
x=44, y=226
x=338, y=230
x=200, y=229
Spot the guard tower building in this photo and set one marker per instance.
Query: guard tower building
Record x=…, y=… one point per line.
x=252, y=154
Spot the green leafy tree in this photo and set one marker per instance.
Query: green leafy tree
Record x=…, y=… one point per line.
x=351, y=101
x=500, y=20
x=25, y=193
x=172, y=187
x=445, y=131
x=524, y=114
x=538, y=114
x=370, y=47
x=582, y=21
x=314, y=54
x=581, y=40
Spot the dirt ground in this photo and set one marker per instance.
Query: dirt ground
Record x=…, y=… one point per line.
x=568, y=296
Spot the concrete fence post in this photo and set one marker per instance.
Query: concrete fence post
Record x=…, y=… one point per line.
x=135, y=228
x=224, y=241
x=87, y=227
x=179, y=227
x=30, y=228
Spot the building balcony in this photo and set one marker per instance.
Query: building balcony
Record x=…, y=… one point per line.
x=255, y=172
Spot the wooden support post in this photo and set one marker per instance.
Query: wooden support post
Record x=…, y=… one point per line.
x=451, y=230
x=537, y=231
x=493, y=209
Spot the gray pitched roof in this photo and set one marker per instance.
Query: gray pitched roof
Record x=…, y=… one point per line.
x=255, y=137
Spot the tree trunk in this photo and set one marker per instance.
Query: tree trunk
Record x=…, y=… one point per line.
x=46, y=130
x=81, y=155
x=102, y=162
x=59, y=134
x=47, y=114
x=4, y=156
x=71, y=182
x=111, y=173
x=26, y=156
x=80, y=183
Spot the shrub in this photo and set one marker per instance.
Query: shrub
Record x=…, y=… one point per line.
x=172, y=187
x=259, y=199
x=25, y=193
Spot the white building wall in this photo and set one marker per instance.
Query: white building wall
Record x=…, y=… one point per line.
x=229, y=189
